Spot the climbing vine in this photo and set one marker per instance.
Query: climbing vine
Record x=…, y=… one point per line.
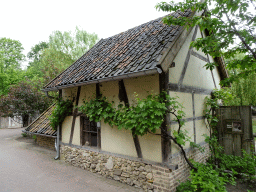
x=61, y=109
x=145, y=117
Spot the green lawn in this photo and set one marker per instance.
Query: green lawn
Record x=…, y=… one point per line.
x=254, y=126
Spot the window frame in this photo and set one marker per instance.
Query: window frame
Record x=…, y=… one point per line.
x=86, y=133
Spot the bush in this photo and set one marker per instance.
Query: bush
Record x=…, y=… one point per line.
x=61, y=110
x=206, y=178
x=245, y=164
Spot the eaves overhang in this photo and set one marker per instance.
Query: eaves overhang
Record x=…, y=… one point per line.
x=156, y=70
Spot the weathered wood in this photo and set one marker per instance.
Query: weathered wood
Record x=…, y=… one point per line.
x=122, y=93
x=237, y=145
x=123, y=97
x=98, y=94
x=238, y=118
x=60, y=125
x=247, y=140
x=185, y=66
x=74, y=116
x=201, y=57
x=228, y=144
x=99, y=137
x=194, y=116
x=215, y=85
x=81, y=131
x=188, y=89
x=165, y=142
x=189, y=119
x=172, y=50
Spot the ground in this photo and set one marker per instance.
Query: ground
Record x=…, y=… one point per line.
x=24, y=166
x=241, y=187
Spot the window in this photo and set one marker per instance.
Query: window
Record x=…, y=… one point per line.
x=89, y=132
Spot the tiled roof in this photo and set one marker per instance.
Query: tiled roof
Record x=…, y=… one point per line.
x=136, y=50
x=42, y=124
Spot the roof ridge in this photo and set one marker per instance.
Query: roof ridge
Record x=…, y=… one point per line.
x=138, y=26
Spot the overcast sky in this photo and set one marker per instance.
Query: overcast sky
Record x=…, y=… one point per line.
x=32, y=21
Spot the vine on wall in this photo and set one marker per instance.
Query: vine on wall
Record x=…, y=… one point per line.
x=145, y=117
x=62, y=109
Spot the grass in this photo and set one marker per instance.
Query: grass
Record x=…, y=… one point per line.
x=254, y=126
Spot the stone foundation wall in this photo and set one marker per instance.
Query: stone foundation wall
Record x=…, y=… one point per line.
x=150, y=177
x=47, y=142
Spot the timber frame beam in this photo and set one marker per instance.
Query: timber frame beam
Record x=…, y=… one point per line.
x=74, y=116
x=123, y=97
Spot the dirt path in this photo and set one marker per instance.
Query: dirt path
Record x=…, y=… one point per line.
x=27, y=167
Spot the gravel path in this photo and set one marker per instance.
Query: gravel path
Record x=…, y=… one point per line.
x=26, y=167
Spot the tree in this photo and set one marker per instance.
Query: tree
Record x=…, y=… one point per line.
x=34, y=68
x=51, y=58
x=54, y=62
x=10, y=60
x=243, y=89
x=230, y=25
x=74, y=44
x=24, y=99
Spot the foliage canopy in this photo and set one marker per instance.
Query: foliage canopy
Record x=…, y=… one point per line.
x=10, y=61
x=230, y=27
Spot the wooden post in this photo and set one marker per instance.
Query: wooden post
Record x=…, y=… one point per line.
x=165, y=142
x=74, y=116
x=98, y=94
x=123, y=97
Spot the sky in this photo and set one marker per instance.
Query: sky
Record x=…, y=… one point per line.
x=31, y=21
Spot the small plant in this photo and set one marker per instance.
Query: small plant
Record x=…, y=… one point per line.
x=24, y=134
x=34, y=137
x=62, y=109
x=207, y=178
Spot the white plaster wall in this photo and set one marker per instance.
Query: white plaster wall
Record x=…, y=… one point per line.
x=200, y=132
x=190, y=132
x=112, y=139
x=69, y=93
x=143, y=86
x=76, y=134
x=117, y=141
x=151, y=147
x=110, y=90
x=121, y=141
x=186, y=100
x=175, y=72
x=66, y=129
x=87, y=92
x=216, y=77
x=200, y=104
x=197, y=75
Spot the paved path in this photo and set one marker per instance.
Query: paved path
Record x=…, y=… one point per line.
x=27, y=167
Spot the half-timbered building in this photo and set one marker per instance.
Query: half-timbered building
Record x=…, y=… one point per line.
x=145, y=59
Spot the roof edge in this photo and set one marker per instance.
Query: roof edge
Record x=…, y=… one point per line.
x=70, y=65
x=124, y=76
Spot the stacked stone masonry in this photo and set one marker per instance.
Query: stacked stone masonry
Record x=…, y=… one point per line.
x=149, y=177
x=47, y=142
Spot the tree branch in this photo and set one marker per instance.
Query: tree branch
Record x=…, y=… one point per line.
x=165, y=134
x=240, y=37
